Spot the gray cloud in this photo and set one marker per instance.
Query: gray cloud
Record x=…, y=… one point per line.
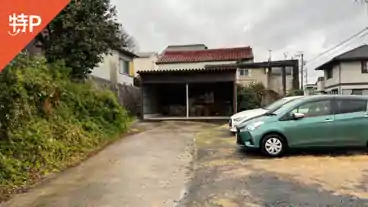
x=290, y=26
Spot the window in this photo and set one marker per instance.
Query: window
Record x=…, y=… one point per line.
x=350, y=106
x=335, y=91
x=314, y=109
x=364, y=67
x=123, y=66
x=243, y=72
x=357, y=92
x=329, y=73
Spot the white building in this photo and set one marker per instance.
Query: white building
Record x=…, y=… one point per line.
x=347, y=73
x=117, y=68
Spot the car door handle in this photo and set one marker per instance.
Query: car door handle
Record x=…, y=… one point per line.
x=328, y=120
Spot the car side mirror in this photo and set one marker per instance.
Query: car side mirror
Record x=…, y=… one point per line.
x=298, y=115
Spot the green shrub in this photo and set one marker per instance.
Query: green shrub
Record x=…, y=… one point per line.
x=48, y=122
x=250, y=97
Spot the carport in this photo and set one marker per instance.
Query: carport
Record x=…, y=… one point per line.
x=188, y=94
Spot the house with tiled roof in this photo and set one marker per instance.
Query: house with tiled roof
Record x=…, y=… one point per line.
x=195, y=82
x=176, y=57
x=347, y=73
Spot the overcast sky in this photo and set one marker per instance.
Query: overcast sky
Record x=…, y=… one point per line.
x=283, y=26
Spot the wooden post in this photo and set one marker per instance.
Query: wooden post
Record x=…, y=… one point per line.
x=283, y=78
x=142, y=101
x=187, y=98
x=235, y=98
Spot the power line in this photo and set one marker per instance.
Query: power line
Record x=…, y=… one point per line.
x=338, y=45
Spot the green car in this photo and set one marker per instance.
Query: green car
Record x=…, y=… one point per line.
x=311, y=121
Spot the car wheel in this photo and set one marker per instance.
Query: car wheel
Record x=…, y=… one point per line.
x=273, y=145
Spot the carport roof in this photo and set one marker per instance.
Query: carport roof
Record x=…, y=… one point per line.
x=191, y=70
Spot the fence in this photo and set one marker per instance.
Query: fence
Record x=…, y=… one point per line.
x=128, y=96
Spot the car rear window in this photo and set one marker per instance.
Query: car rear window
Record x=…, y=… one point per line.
x=350, y=106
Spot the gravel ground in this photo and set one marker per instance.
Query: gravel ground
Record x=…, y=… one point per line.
x=227, y=177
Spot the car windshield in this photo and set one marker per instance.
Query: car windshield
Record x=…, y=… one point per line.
x=277, y=104
x=288, y=103
x=285, y=102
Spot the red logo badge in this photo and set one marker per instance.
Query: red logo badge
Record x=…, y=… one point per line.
x=21, y=21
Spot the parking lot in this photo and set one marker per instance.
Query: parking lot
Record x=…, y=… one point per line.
x=228, y=177
x=198, y=164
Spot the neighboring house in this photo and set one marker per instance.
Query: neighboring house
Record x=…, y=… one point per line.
x=145, y=61
x=117, y=68
x=347, y=73
x=310, y=89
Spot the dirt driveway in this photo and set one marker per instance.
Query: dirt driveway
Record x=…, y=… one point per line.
x=147, y=169
x=227, y=177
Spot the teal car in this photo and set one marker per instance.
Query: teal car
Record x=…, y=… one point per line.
x=311, y=121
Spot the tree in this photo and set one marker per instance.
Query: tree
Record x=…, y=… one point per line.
x=127, y=41
x=81, y=34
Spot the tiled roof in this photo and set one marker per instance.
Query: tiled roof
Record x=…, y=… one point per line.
x=190, y=56
x=184, y=70
x=359, y=52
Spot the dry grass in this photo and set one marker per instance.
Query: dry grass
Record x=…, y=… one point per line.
x=223, y=202
x=210, y=137
x=342, y=175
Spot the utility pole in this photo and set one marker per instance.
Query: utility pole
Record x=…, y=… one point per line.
x=302, y=71
x=269, y=55
x=306, y=75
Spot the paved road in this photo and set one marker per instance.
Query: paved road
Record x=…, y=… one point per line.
x=147, y=169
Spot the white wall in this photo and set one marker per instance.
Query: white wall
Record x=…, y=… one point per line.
x=335, y=76
x=103, y=69
x=320, y=86
x=276, y=83
x=108, y=69
x=257, y=75
x=351, y=72
x=145, y=63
